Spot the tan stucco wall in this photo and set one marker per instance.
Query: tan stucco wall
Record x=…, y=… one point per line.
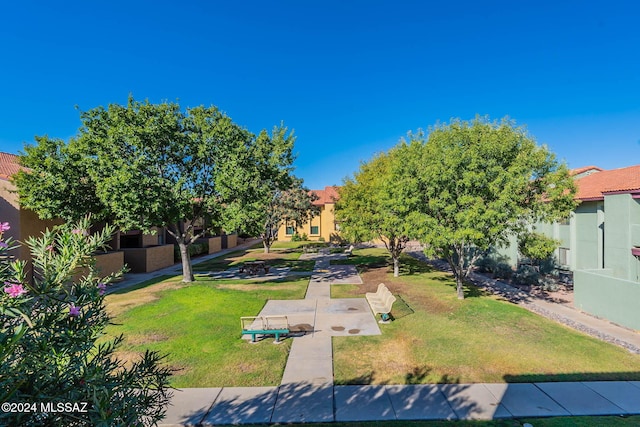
x=152, y=258
x=23, y=222
x=232, y=240
x=215, y=243
x=151, y=239
x=110, y=262
x=9, y=209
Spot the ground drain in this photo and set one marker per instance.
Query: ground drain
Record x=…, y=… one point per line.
x=354, y=331
x=338, y=328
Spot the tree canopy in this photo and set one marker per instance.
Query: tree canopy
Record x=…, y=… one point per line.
x=271, y=193
x=483, y=180
x=144, y=165
x=461, y=189
x=371, y=207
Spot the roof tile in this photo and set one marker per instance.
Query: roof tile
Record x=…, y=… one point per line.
x=8, y=165
x=594, y=186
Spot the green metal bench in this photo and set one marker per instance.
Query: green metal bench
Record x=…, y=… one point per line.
x=265, y=325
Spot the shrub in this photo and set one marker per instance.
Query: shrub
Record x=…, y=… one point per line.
x=502, y=270
x=321, y=239
x=527, y=275
x=486, y=264
x=49, y=331
x=537, y=247
x=299, y=237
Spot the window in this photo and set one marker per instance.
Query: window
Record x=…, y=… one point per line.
x=315, y=229
x=563, y=256
x=290, y=230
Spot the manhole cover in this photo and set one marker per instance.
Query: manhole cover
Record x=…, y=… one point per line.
x=338, y=328
x=354, y=331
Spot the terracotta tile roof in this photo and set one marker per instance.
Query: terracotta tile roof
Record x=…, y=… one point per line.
x=328, y=195
x=8, y=165
x=606, y=181
x=586, y=170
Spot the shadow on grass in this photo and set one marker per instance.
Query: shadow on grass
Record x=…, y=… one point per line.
x=400, y=308
x=416, y=376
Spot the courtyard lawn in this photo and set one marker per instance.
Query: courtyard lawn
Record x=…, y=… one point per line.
x=437, y=338
x=278, y=257
x=198, y=327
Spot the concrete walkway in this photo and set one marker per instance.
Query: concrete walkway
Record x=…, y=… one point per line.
x=132, y=279
x=307, y=392
x=264, y=405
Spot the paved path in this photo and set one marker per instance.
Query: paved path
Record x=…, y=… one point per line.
x=234, y=405
x=307, y=392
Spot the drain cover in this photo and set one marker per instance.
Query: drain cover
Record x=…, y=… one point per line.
x=338, y=328
x=354, y=331
x=352, y=309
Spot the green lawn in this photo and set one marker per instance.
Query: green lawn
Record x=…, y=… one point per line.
x=437, y=338
x=278, y=257
x=198, y=327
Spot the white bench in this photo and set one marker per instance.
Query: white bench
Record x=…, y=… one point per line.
x=381, y=302
x=378, y=295
x=349, y=251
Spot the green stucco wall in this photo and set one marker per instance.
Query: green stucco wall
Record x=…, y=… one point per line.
x=598, y=293
x=508, y=253
x=588, y=235
x=623, y=212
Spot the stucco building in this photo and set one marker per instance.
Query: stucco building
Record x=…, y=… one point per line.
x=600, y=243
x=322, y=226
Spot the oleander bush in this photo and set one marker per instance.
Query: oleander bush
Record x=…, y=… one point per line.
x=51, y=350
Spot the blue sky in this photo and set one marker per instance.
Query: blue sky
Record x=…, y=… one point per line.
x=351, y=77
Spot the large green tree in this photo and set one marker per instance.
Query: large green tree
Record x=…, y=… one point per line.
x=370, y=208
x=271, y=194
x=57, y=183
x=144, y=165
x=480, y=181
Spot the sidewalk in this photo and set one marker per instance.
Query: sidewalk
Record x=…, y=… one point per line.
x=569, y=316
x=238, y=405
x=132, y=279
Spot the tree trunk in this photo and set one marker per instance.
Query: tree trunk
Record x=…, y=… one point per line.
x=396, y=266
x=267, y=246
x=459, y=287
x=187, y=271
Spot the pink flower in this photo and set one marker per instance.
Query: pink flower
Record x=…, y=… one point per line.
x=77, y=231
x=14, y=289
x=73, y=310
x=102, y=288
x=49, y=248
x=4, y=226
x=3, y=245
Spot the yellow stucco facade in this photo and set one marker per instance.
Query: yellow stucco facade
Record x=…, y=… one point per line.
x=322, y=226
